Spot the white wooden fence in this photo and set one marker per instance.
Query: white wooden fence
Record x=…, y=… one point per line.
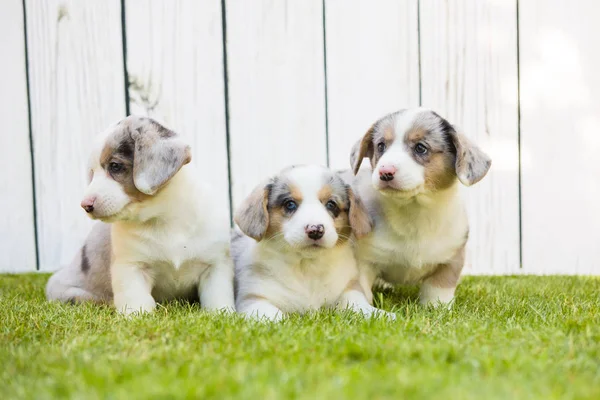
x=260, y=84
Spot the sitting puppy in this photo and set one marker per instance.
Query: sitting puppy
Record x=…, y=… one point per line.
x=412, y=194
x=163, y=241
x=296, y=253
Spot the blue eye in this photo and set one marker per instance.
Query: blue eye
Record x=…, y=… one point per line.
x=290, y=205
x=331, y=206
x=420, y=149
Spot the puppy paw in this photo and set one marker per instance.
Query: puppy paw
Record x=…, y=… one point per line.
x=128, y=306
x=374, y=312
x=437, y=297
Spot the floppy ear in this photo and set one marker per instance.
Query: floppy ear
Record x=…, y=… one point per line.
x=471, y=162
x=252, y=216
x=159, y=154
x=360, y=221
x=361, y=149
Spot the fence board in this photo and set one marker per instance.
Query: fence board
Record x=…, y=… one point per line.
x=372, y=67
x=175, y=67
x=276, y=88
x=77, y=89
x=17, y=237
x=560, y=116
x=469, y=75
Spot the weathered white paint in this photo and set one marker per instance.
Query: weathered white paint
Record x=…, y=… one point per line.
x=372, y=67
x=77, y=89
x=276, y=88
x=17, y=236
x=560, y=142
x=277, y=105
x=175, y=67
x=469, y=76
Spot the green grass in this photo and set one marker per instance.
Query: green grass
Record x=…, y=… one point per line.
x=506, y=337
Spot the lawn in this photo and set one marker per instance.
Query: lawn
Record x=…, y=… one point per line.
x=506, y=338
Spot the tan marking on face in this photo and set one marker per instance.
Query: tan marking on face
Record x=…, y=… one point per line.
x=439, y=171
x=277, y=217
x=295, y=192
x=389, y=134
x=342, y=227
x=415, y=135
x=113, y=152
x=325, y=193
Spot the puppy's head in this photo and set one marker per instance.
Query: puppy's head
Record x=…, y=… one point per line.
x=417, y=151
x=304, y=207
x=131, y=162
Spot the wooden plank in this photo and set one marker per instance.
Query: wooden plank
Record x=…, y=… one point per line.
x=469, y=75
x=17, y=234
x=276, y=88
x=76, y=89
x=372, y=67
x=175, y=66
x=560, y=116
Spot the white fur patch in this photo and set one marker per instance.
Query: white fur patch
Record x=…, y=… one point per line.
x=434, y=295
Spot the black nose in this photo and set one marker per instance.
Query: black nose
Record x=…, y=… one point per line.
x=386, y=177
x=88, y=209
x=315, y=232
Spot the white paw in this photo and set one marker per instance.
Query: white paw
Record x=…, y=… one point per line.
x=437, y=297
x=374, y=312
x=129, y=306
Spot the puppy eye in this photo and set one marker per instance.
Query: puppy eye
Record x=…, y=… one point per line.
x=420, y=149
x=115, y=167
x=332, y=207
x=290, y=205
x=381, y=147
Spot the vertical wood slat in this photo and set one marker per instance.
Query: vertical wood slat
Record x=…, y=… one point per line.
x=560, y=143
x=175, y=68
x=469, y=75
x=76, y=90
x=372, y=67
x=17, y=229
x=276, y=88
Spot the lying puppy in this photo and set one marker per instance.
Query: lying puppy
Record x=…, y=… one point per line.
x=412, y=194
x=296, y=253
x=163, y=241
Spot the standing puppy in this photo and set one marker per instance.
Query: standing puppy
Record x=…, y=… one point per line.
x=296, y=253
x=164, y=240
x=411, y=191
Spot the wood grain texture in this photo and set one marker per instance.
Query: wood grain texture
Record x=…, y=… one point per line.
x=276, y=88
x=77, y=89
x=175, y=66
x=372, y=67
x=469, y=76
x=17, y=230
x=560, y=145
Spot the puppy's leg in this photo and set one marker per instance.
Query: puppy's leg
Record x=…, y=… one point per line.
x=216, y=288
x=259, y=308
x=439, y=287
x=132, y=289
x=355, y=299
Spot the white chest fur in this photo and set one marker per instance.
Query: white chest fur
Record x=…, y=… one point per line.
x=295, y=284
x=410, y=240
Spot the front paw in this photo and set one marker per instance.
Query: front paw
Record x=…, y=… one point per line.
x=374, y=312
x=435, y=296
x=134, y=305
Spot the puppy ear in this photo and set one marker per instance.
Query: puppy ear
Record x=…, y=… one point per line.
x=361, y=149
x=159, y=154
x=252, y=216
x=472, y=164
x=360, y=221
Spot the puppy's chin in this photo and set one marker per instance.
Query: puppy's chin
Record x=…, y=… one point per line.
x=393, y=192
x=309, y=246
x=120, y=215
